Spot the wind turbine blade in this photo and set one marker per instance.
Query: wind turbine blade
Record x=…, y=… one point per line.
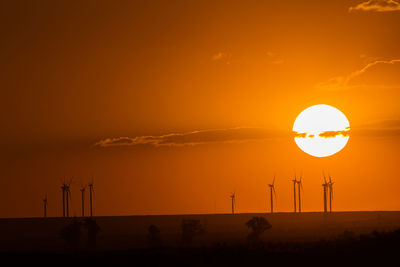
x=273, y=181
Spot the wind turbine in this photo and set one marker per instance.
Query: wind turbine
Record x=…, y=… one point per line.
x=300, y=186
x=91, y=191
x=272, y=193
x=83, y=188
x=64, y=189
x=325, y=187
x=294, y=191
x=233, y=202
x=68, y=196
x=330, y=187
x=45, y=206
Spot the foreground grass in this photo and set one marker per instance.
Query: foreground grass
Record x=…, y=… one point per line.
x=377, y=247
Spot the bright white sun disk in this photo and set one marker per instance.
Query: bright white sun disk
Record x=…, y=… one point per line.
x=321, y=130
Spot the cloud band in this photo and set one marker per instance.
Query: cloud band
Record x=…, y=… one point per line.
x=377, y=6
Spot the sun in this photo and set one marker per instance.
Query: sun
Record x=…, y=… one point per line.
x=321, y=130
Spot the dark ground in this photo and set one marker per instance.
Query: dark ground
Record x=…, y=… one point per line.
x=351, y=238
x=380, y=249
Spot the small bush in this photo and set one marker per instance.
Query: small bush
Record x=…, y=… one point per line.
x=190, y=229
x=72, y=234
x=154, y=236
x=258, y=225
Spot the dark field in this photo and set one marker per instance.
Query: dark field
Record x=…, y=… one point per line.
x=354, y=236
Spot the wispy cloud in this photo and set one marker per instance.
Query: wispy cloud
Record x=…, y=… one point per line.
x=383, y=128
x=377, y=6
x=239, y=134
x=244, y=134
x=349, y=81
x=222, y=56
x=273, y=58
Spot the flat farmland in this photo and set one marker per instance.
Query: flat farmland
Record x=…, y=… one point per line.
x=130, y=232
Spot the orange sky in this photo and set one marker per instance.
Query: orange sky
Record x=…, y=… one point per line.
x=172, y=105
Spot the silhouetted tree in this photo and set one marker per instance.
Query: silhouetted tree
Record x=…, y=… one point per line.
x=92, y=230
x=258, y=225
x=191, y=228
x=72, y=234
x=154, y=236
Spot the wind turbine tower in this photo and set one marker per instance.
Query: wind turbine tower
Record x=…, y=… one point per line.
x=272, y=194
x=325, y=188
x=233, y=202
x=83, y=200
x=300, y=188
x=91, y=198
x=45, y=206
x=64, y=189
x=330, y=187
x=67, y=196
x=294, y=192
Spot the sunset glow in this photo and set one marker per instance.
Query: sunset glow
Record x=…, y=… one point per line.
x=174, y=105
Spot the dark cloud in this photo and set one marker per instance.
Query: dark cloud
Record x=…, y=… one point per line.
x=330, y=134
x=326, y=134
x=239, y=134
x=377, y=6
x=299, y=135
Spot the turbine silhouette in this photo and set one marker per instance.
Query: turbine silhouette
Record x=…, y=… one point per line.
x=330, y=187
x=68, y=196
x=91, y=193
x=300, y=186
x=64, y=190
x=272, y=193
x=294, y=191
x=45, y=206
x=83, y=188
x=325, y=188
x=233, y=196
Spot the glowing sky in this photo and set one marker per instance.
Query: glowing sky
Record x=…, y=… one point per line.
x=172, y=105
